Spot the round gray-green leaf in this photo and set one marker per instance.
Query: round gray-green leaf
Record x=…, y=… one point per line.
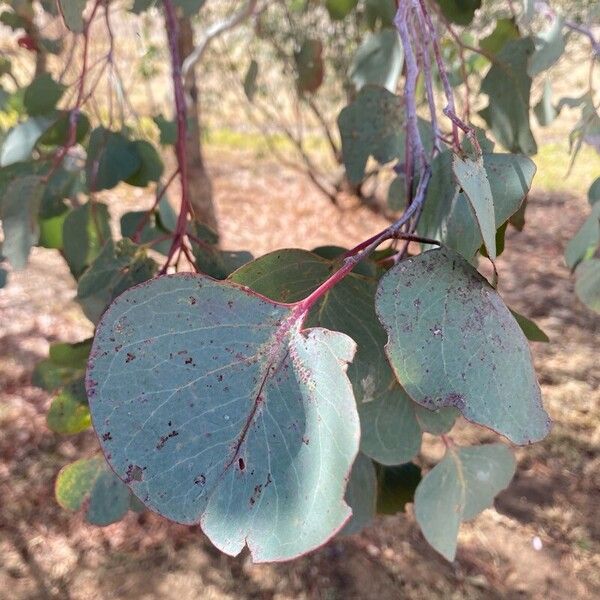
x=215, y=407
x=453, y=342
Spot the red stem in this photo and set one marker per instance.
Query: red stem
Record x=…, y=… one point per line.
x=181, y=118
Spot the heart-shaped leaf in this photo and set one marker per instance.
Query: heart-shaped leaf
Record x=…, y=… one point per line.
x=453, y=342
x=216, y=408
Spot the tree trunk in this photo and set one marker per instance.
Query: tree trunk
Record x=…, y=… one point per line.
x=200, y=184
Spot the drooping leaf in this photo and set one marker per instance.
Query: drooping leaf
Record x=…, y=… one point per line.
x=361, y=494
x=453, y=342
x=549, y=47
x=339, y=9
x=216, y=408
x=390, y=432
x=532, y=332
x=151, y=166
x=111, y=158
x=309, y=65
x=586, y=240
x=378, y=61
x=472, y=178
x=396, y=487
x=118, y=267
x=457, y=489
x=372, y=125
x=250, y=78
x=509, y=86
x=42, y=95
x=18, y=213
x=544, y=110
x=72, y=14
x=587, y=283
x=505, y=30
x=21, y=140
x=447, y=215
x=90, y=484
x=460, y=12
x=85, y=231
x=69, y=412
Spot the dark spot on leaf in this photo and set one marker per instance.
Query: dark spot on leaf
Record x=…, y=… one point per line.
x=134, y=473
x=130, y=357
x=106, y=436
x=164, y=438
x=200, y=480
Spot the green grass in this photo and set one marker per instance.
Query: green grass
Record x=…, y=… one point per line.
x=552, y=161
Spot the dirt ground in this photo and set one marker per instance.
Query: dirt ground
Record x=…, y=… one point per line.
x=47, y=553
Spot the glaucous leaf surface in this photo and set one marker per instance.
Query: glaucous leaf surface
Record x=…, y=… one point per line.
x=587, y=283
x=90, y=484
x=390, y=433
x=361, y=494
x=214, y=406
x=549, y=46
x=509, y=87
x=378, y=61
x=586, y=240
x=473, y=180
x=458, y=488
x=372, y=125
x=453, y=343
x=22, y=138
x=447, y=215
x=18, y=214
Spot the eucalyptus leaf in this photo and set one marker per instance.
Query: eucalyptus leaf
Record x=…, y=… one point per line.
x=587, y=283
x=452, y=342
x=90, y=485
x=18, y=213
x=378, y=61
x=215, y=407
x=508, y=86
x=457, y=489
